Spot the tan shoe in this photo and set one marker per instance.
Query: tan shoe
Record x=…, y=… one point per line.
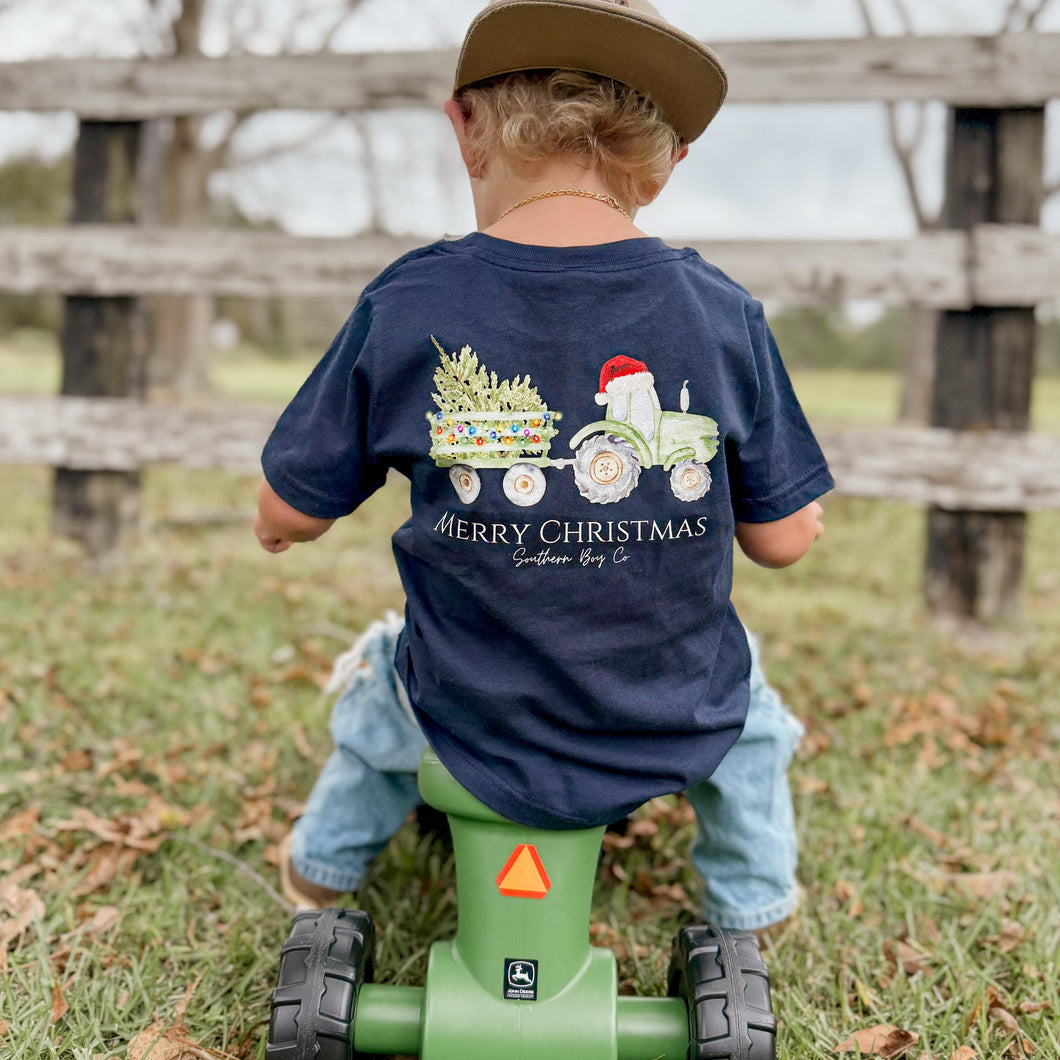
x=767, y=936
x=303, y=894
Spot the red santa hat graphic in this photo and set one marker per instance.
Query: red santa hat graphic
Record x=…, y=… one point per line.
x=623, y=375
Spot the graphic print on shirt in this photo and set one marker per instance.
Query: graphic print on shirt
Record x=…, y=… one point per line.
x=485, y=423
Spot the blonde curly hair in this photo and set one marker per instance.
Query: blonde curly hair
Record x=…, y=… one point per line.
x=531, y=116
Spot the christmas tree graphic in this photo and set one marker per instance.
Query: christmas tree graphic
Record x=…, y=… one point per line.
x=485, y=421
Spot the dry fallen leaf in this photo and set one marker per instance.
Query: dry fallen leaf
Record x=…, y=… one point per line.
x=20, y=824
x=125, y=831
x=908, y=958
x=1000, y=1014
x=1012, y=935
x=812, y=785
x=75, y=761
x=848, y=895
x=104, y=864
x=104, y=919
x=162, y=1041
x=169, y=1041
x=884, y=1040
x=23, y=905
x=59, y=1005
x=1029, y=1008
x=966, y=1052
x=982, y=884
x=643, y=828
x=998, y=1011
x=933, y=835
x=1019, y=1048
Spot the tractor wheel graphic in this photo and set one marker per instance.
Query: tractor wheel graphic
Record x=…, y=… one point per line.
x=689, y=480
x=524, y=484
x=606, y=469
x=465, y=481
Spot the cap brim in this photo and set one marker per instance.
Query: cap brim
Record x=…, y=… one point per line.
x=681, y=76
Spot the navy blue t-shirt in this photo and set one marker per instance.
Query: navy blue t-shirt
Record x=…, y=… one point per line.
x=582, y=428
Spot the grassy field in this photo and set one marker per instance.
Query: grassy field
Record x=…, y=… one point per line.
x=161, y=721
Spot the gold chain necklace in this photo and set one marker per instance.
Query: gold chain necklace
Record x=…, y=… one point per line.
x=581, y=193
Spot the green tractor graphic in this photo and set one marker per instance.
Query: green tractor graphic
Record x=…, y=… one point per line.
x=610, y=454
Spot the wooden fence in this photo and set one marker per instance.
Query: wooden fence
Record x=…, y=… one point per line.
x=985, y=273
x=989, y=265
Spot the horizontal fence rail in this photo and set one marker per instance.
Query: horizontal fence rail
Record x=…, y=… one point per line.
x=968, y=470
x=1009, y=70
x=993, y=265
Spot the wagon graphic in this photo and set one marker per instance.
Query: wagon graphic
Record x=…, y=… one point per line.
x=482, y=423
x=516, y=441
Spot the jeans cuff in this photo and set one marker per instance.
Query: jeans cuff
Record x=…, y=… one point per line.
x=752, y=921
x=323, y=874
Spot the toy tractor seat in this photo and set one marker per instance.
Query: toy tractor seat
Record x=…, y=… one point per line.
x=520, y=979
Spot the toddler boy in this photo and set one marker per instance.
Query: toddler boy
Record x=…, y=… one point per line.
x=587, y=418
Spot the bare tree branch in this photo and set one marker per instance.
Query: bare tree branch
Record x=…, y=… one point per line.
x=902, y=11
x=1036, y=13
x=150, y=28
x=329, y=38
x=1015, y=11
x=219, y=153
x=242, y=20
x=905, y=151
x=1012, y=12
x=224, y=156
x=905, y=147
x=340, y=18
x=867, y=17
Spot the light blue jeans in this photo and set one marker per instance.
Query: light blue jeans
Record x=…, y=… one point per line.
x=745, y=850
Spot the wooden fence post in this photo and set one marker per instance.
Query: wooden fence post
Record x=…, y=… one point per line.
x=104, y=340
x=985, y=360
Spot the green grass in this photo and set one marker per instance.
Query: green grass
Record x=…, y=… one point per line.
x=854, y=397
x=244, y=374
x=29, y=363
x=176, y=698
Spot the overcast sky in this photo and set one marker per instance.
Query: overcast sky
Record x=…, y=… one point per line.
x=759, y=171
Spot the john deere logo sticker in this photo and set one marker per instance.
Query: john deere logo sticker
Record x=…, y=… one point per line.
x=523, y=875
x=520, y=979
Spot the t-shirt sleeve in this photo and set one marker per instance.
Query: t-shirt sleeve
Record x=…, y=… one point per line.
x=319, y=456
x=779, y=467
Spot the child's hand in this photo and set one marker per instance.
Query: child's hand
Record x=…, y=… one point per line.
x=817, y=513
x=786, y=541
x=277, y=525
x=267, y=538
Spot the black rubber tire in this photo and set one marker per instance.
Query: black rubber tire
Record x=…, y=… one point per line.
x=325, y=961
x=724, y=982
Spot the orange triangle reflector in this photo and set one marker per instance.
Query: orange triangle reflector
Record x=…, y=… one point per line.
x=523, y=875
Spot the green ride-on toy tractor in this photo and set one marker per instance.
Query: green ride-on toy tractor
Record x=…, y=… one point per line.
x=520, y=980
